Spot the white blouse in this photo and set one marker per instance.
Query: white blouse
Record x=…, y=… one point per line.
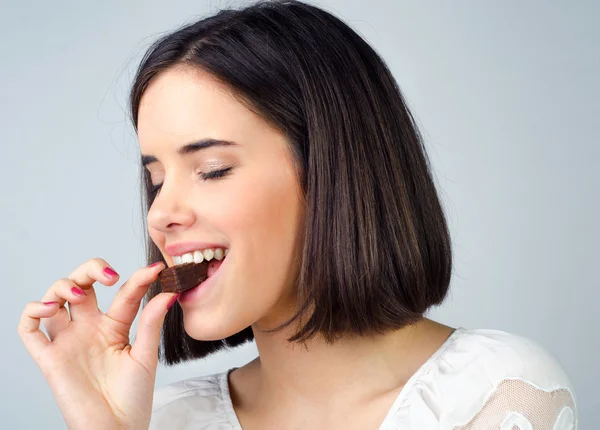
x=478, y=379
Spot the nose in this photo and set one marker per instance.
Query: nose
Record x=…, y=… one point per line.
x=170, y=210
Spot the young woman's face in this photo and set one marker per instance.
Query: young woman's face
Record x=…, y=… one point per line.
x=254, y=210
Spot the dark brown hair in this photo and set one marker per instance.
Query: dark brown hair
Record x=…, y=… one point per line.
x=376, y=246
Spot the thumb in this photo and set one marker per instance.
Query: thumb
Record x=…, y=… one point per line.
x=145, y=347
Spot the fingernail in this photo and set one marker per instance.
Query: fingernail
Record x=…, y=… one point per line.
x=49, y=303
x=110, y=272
x=173, y=300
x=78, y=291
x=155, y=264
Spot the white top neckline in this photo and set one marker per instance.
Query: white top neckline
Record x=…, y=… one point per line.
x=402, y=395
x=478, y=378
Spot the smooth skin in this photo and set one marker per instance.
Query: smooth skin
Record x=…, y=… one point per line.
x=97, y=378
x=255, y=211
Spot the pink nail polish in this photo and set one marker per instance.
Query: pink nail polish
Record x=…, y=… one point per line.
x=49, y=303
x=172, y=302
x=155, y=264
x=110, y=272
x=78, y=291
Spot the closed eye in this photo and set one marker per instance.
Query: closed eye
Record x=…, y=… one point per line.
x=213, y=174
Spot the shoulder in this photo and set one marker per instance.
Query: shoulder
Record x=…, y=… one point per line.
x=191, y=403
x=203, y=387
x=501, y=355
x=484, y=378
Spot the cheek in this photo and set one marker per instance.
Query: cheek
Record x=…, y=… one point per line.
x=261, y=219
x=264, y=211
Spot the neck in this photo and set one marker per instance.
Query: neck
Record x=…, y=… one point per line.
x=361, y=368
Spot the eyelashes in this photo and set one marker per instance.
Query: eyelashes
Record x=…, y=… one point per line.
x=213, y=174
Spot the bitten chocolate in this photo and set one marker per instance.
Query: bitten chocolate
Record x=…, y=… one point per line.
x=183, y=277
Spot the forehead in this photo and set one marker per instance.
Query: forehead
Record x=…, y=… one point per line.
x=186, y=103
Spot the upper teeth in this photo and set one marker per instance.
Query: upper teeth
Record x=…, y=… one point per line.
x=199, y=256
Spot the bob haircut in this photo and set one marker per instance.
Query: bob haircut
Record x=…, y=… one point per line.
x=376, y=246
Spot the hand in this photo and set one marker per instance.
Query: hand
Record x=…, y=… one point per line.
x=98, y=379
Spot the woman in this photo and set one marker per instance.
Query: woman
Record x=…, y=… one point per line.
x=276, y=145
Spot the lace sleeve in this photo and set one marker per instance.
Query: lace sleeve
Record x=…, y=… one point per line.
x=517, y=404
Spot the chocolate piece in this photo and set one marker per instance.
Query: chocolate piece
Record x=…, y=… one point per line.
x=183, y=277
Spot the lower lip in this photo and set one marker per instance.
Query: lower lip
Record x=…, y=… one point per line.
x=197, y=292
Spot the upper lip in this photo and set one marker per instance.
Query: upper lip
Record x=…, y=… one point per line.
x=181, y=248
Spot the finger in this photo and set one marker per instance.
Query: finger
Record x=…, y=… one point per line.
x=94, y=270
x=56, y=323
x=84, y=276
x=80, y=302
x=60, y=320
x=145, y=347
x=126, y=304
x=29, y=326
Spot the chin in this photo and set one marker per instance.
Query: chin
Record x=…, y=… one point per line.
x=205, y=327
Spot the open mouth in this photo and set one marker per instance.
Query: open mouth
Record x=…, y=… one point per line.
x=191, y=270
x=213, y=270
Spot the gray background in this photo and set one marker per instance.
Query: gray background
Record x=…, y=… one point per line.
x=507, y=97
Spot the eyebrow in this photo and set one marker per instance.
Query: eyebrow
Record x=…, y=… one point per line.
x=190, y=148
